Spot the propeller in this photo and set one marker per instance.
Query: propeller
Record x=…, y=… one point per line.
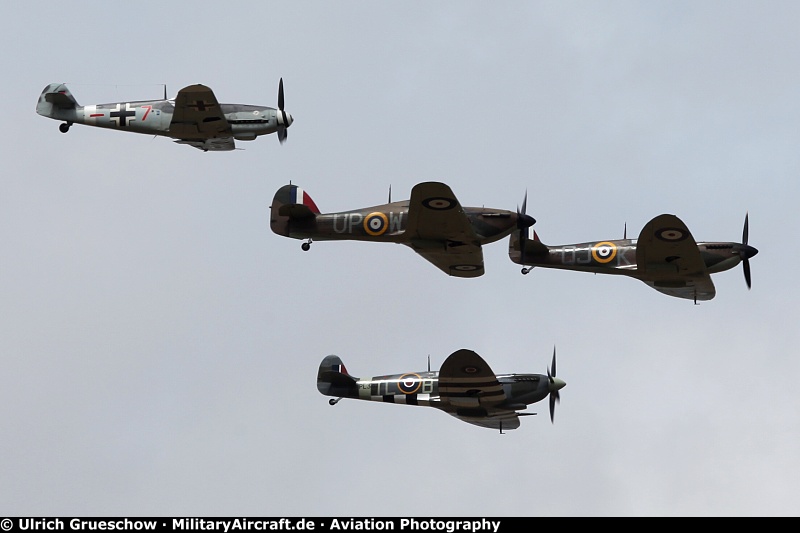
x=284, y=119
x=746, y=251
x=555, y=385
x=524, y=221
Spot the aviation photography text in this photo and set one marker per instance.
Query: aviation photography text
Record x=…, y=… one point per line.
x=231, y=525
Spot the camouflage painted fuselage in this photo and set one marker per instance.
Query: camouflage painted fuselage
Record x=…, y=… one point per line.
x=464, y=387
x=665, y=256
x=432, y=222
x=152, y=117
x=387, y=223
x=614, y=257
x=422, y=388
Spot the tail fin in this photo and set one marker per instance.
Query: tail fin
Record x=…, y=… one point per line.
x=290, y=203
x=333, y=379
x=533, y=246
x=55, y=97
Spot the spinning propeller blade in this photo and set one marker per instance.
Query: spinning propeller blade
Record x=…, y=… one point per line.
x=746, y=251
x=524, y=221
x=746, y=230
x=284, y=120
x=555, y=385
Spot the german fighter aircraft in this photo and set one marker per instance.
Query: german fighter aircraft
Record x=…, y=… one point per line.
x=432, y=223
x=464, y=387
x=665, y=256
x=193, y=117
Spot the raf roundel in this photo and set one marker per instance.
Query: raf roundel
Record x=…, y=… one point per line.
x=671, y=234
x=604, y=252
x=375, y=224
x=439, y=203
x=409, y=383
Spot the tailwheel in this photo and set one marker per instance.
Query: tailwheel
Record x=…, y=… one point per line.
x=64, y=127
x=306, y=246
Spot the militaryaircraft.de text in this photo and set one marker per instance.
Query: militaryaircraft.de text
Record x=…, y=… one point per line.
x=464, y=387
x=432, y=222
x=665, y=256
x=193, y=117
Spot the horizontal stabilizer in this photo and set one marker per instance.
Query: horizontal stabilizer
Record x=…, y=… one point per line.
x=61, y=100
x=535, y=246
x=295, y=211
x=336, y=379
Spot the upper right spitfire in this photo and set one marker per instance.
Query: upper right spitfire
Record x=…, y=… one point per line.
x=665, y=257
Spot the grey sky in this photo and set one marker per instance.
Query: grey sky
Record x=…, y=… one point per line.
x=160, y=344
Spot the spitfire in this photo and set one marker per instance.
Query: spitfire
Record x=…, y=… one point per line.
x=433, y=223
x=665, y=256
x=464, y=387
x=193, y=117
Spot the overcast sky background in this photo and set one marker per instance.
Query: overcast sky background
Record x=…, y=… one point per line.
x=160, y=344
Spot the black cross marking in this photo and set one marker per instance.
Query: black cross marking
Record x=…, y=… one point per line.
x=202, y=106
x=123, y=115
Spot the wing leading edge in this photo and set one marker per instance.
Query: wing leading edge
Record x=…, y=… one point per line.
x=668, y=260
x=439, y=230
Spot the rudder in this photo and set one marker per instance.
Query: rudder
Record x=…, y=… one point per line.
x=54, y=98
x=290, y=203
x=533, y=246
x=333, y=379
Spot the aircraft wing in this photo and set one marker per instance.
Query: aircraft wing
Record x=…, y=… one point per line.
x=199, y=121
x=440, y=231
x=506, y=420
x=470, y=391
x=668, y=260
x=216, y=144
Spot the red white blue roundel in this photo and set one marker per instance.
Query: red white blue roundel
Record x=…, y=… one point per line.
x=671, y=234
x=376, y=223
x=466, y=268
x=409, y=383
x=604, y=252
x=439, y=203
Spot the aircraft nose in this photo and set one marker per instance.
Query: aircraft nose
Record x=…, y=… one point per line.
x=289, y=119
x=749, y=251
x=557, y=384
x=525, y=221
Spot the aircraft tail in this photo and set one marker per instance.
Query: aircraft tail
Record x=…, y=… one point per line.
x=290, y=203
x=521, y=246
x=55, y=99
x=333, y=379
